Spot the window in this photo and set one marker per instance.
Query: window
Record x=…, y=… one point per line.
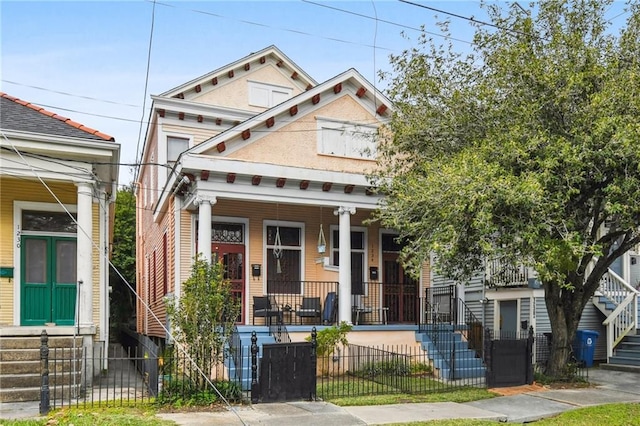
x=267, y=95
x=284, y=260
x=48, y=221
x=346, y=139
x=358, y=245
x=175, y=147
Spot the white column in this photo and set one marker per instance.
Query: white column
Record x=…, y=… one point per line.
x=84, y=249
x=204, y=227
x=344, y=271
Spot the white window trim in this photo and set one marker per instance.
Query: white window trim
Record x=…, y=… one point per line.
x=282, y=223
x=163, y=172
x=346, y=126
x=365, y=252
x=267, y=86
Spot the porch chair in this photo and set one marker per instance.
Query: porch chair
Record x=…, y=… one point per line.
x=329, y=312
x=309, y=308
x=359, y=309
x=264, y=308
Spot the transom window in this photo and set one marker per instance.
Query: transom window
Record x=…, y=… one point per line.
x=48, y=221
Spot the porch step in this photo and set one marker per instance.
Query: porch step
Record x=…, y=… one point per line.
x=626, y=354
x=444, y=345
x=242, y=372
x=20, y=367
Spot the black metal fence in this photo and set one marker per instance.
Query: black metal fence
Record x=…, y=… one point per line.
x=361, y=371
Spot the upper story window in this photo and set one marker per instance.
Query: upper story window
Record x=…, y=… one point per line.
x=267, y=95
x=175, y=147
x=346, y=139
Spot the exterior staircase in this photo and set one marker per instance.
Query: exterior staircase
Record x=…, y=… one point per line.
x=449, y=353
x=618, y=301
x=20, y=367
x=239, y=366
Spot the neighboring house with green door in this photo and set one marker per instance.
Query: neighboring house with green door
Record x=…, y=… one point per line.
x=57, y=188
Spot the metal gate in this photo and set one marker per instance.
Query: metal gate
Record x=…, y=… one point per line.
x=287, y=372
x=509, y=361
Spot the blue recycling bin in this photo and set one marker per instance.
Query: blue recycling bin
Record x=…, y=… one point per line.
x=584, y=346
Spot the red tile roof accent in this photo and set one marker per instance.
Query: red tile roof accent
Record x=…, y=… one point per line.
x=58, y=117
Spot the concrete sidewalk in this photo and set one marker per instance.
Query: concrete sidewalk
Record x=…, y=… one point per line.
x=612, y=386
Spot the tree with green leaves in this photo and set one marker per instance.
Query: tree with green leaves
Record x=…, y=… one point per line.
x=526, y=149
x=123, y=257
x=203, y=317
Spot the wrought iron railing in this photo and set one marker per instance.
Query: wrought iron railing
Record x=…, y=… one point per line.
x=500, y=273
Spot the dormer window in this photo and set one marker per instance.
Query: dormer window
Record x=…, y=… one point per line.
x=267, y=95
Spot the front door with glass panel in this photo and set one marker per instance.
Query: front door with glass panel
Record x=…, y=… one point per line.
x=400, y=289
x=228, y=248
x=48, y=280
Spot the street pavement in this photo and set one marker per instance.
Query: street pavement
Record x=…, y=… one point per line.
x=611, y=387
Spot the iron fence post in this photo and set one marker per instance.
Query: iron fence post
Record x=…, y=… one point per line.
x=44, y=365
x=254, y=368
x=314, y=362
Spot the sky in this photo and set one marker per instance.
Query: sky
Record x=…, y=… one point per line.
x=98, y=63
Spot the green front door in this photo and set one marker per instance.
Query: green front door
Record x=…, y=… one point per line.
x=48, y=274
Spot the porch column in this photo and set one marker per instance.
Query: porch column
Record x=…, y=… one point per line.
x=344, y=271
x=84, y=254
x=204, y=227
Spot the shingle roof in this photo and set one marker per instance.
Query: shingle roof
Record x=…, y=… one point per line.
x=16, y=114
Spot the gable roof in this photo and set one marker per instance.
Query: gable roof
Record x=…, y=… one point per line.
x=228, y=71
x=16, y=114
x=365, y=92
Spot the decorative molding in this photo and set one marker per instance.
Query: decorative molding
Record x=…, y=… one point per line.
x=344, y=209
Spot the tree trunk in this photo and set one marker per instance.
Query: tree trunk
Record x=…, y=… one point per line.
x=565, y=309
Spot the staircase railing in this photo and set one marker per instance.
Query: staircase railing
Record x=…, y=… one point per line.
x=470, y=327
x=624, y=318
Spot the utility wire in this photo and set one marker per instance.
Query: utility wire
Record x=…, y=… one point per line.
x=385, y=21
x=69, y=94
x=146, y=88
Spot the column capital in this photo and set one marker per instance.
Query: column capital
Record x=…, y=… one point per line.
x=205, y=199
x=344, y=209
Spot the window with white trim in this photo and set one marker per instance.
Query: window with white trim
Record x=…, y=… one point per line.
x=358, y=257
x=284, y=259
x=346, y=139
x=267, y=95
x=176, y=146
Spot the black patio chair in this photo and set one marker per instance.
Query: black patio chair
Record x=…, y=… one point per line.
x=264, y=308
x=309, y=308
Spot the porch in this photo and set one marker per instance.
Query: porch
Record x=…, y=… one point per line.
x=316, y=303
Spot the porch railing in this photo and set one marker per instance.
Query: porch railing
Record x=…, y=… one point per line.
x=499, y=273
x=372, y=302
x=624, y=318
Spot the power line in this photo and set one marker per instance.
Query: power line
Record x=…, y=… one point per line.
x=466, y=18
x=386, y=22
x=69, y=94
x=146, y=88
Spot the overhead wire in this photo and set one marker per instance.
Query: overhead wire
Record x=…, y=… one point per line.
x=146, y=306
x=146, y=89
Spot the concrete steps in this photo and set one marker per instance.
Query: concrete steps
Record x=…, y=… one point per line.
x=450, y=354
x=242, y=372
x=20, y=367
